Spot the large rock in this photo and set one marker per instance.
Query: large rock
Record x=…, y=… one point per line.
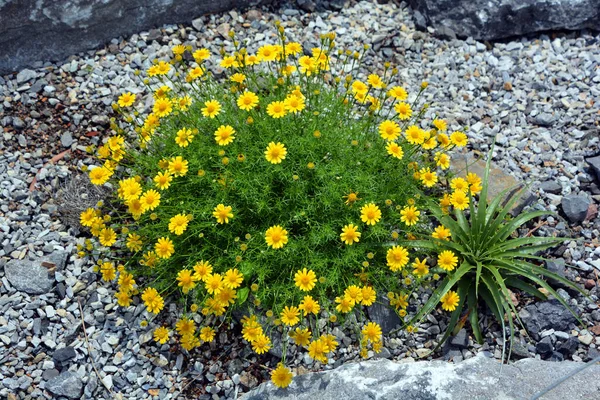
x=476, y=378
x=67, y=384
x=575, y=208
x=50, y=30
x=496, y=19
x=29, y=276
x=499, y=180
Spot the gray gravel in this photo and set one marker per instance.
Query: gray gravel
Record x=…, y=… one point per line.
x=536, y=96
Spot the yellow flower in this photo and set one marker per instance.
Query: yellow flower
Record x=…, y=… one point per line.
x=351, y=198
x=440, y=124
x=294, y=104
x=201, y=55
x=222, y=213
x=308, y=65
x=184, y=137
x=415, y=135
x=207, y=334
x=267, y=53
x=301, y=336
x=368, y=295
x=163, y=180
x=184, y=103
x=202, y=270
x=211, y=109
x=309, y=305
x=107, y=237
x=399, y=301
x=261, y=344
x=375, y=81
x=129, y=189
x=305, y=279
x=185, y=326
x=447, y=260
x=161, y=335
x=410, y=215
x=188, y=342
x=281, y=376
x=224, y=135
x=123, y=298
x=150, y=200
x=372, y=331
x=370, y=214
x=398, y=93
x=459, y=200
x=228, y=62
x=420, y=268
x=293, y=48
x=214, y=283
x=428, y=177
x=185, y=280
x=233, y=278
x=178, y=224
x=87, y=217
x=126, y=282
x=276, y=237
x=450, y=300
x=444, y=140
x=195, y=73
x=389, y=130
x=344, y=304
x=126, y=99
x=442, y=160
x=275, y=153
x=394, y=150
x=317, y=350
x=359, y=87
x=459, y=139
x=397, y=258
x=178, y=166
x=459, y=184
x=350, y=234
x=354, y=294
x=290, y=315
x=238, y=78
x=108, y=271
x=276, y=109
x=404, y=111
x=164, y=247
x=152, y=300
x=247, y=101
x=162, y=107
x=441, y=232
x=99, y=175
x=429, y=143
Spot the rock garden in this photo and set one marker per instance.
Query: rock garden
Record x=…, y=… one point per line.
x=308, y=199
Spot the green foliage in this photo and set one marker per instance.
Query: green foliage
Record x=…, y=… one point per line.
x=494, y=259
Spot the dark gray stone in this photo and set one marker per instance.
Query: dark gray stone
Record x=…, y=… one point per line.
x=552, y=187
x=461, y=340
x=49, y=30
x=489, y=20
x=575, y=207
x=556, y=357
x=385, y=316
x=546, y=315
x=558, y=267
x=476, y=378
x=29, y=276
x=67, y=384
x=306, y=5
x=519, y=351
x=61, y=356
x=569, y=347
x=594, y=162
x=544, y=346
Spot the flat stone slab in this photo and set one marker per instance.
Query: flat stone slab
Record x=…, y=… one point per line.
x=477, y=378
x=29, y=276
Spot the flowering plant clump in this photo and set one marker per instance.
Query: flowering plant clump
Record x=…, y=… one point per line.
x=286, y=182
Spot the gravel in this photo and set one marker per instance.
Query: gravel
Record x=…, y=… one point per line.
x=535, y=95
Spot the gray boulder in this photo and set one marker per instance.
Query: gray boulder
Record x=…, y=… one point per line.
x=29, y=276
x=475, y=378
x=50, y=30
x=67, y=384
x=497, y=19
x=594, y=162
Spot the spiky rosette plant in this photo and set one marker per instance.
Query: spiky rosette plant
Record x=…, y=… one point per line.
x=492, y=259
x=282, y=181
